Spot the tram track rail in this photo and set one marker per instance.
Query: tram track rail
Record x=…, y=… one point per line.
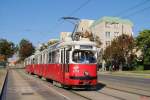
x=80, y=95
x=106, y=94
x=130, y=87
x=116, y=97
x=119, y=98
x=123, y=81
x=127, y=91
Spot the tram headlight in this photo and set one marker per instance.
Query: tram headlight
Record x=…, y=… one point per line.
x=86, y=73
x=76, y=69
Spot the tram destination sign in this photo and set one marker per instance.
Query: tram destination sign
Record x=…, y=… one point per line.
x=86, y=47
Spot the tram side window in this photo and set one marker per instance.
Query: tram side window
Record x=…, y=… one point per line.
x=47, y=58
x=31, y=60
x=67, y=56
x=67, y=61
x=39, y=59
x=43, y=58
x=28, y=62
x=50, y=57
x=25, y=63
x=35, y=61
x=61, y=56
x=55, y=56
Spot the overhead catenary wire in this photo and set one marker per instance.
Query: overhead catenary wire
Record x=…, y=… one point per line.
x=132, y=8
x=58, y=23
x=137, y=12
x=80, y=7
x=121, y=14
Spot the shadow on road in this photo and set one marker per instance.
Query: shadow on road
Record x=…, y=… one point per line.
x=100, y=86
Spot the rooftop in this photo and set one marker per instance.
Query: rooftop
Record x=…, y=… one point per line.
x=112, y=20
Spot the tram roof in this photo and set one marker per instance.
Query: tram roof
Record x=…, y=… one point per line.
x=77, y=43
x=30, y=57
x=71, y=43
x=64, y=44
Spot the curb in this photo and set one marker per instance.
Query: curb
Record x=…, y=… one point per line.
x=133, y=75
x=2, y=96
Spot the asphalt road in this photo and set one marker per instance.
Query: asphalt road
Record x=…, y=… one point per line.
x=139, y=83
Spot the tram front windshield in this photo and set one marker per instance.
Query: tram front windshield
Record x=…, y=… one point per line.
x=83, y=56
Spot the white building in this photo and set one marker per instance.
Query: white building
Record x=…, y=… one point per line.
x=108, y=28
x=65, y=36
x=84, y=25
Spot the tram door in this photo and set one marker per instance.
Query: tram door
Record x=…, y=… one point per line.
x=64, y=64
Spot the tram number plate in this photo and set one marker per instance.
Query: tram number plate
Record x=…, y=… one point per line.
x=86, y=82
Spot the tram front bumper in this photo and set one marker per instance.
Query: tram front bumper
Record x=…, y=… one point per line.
x=81, y=80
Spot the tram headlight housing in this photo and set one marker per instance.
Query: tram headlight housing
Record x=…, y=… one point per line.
x=86, y=73
x=76, y=69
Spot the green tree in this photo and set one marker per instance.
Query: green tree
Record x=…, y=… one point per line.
x=26, y=49
x=143, y=43
x=52, y=42
x=120, y=51
x=49, y=43
x=7, y=48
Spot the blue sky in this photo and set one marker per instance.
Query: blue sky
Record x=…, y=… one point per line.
x=38, y=20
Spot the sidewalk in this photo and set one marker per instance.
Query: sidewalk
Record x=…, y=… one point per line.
x=2, y=77
x=126, y=74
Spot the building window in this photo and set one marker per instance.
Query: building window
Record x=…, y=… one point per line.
x=107, y=43
x=82, y=28
x=116, y=25
x=107, y=35
x=107, y=24
x=116, y=34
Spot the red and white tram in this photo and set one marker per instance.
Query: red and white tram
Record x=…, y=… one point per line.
x=72, y=64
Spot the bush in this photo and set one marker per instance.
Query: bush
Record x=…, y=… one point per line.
x=146, y=67
x=2, y=63
x=139, y=67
